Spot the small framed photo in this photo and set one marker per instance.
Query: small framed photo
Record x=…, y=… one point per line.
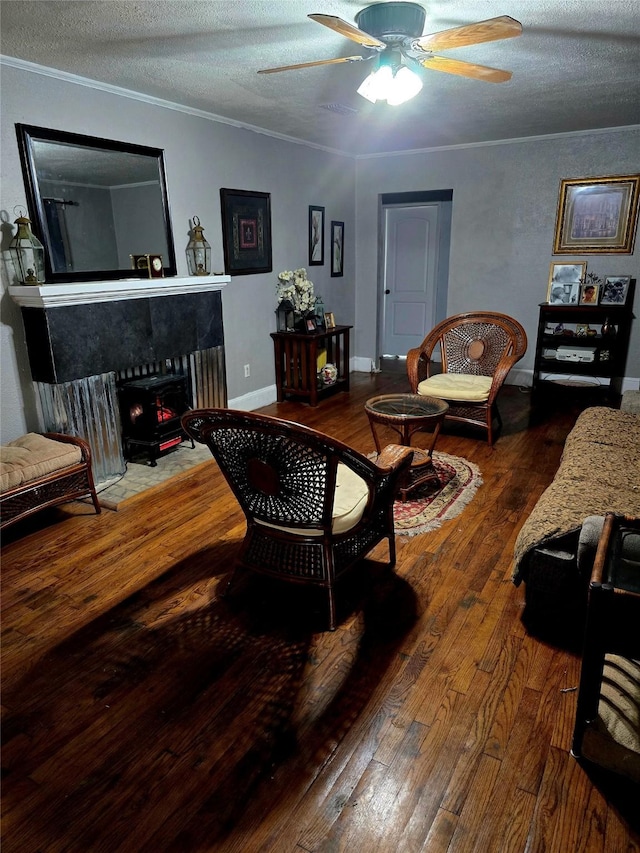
x=589, y=293
x=311, y=324
x=330, y=320
x=337, y=249
x=581, y=330
x=564, y=283
x=316, y=236
x=615, y=289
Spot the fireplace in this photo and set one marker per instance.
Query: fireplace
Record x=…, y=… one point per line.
x=85, y=340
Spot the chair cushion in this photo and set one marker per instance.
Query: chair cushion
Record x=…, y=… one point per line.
x=349, y=503
x=32, y=456
x=457, y=386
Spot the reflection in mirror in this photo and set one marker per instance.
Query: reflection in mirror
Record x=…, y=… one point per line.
x=94, y=203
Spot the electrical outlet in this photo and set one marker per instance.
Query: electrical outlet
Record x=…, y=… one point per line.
x=247, y=371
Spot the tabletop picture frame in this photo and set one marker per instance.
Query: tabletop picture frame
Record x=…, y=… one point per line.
x=589, y=293
x=563, y=287
x=316, y=235
x=337, y=249
x=615, y=289
x=246, y=231
x=597, y=215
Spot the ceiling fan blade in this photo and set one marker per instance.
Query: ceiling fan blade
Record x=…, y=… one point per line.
x=312, y=64
x=348, y=30
x=466, y=69
x=493, y=29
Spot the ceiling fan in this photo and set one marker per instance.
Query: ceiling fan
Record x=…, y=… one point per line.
x=393, y=31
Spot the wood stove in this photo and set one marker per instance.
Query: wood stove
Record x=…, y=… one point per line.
x=150, y=411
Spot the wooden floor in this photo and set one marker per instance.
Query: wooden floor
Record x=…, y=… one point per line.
x=143, y=713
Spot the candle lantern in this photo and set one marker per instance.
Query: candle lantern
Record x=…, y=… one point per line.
x=285, y=316
x=27, y=254
x=198, y=251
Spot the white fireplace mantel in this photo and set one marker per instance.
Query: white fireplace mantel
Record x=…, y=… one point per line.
x=88, y=292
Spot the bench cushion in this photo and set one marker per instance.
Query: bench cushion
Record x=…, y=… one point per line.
x=33, y=456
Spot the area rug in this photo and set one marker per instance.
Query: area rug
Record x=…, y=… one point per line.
x=431, y=505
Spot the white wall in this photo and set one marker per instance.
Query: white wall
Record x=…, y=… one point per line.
x=504, y=208
x=201, y=156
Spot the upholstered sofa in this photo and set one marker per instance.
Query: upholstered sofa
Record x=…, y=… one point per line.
x=599, y=472
x=42, y=470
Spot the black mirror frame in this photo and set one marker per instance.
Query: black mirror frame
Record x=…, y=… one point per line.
x=26, y=135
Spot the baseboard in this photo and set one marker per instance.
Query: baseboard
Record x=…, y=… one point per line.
x=254, y=399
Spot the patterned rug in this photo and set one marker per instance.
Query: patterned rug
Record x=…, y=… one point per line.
x=431, y=505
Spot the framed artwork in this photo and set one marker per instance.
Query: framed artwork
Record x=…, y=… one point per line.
x=589, y=293
x=564, y=283
x=615, y=289
x=581, y=330
x=311, y=324
x=337, y=247
x=597, y=215
x=329, y=319
x=246, y=231
x=316, y=236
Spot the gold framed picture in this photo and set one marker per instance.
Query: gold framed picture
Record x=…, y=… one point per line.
x=564, y=283
x=330, y=320
x=597, y=215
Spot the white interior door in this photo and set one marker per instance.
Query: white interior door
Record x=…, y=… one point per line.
x=409, y=276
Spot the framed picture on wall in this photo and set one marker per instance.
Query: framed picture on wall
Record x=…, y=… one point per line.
x=597, y=215
x=337, y=249
x=246, y=231
x=316, y=236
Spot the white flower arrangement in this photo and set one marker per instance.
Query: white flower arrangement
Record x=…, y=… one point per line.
x=295, y=287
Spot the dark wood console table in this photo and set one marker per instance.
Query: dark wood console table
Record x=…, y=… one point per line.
x=296, y=363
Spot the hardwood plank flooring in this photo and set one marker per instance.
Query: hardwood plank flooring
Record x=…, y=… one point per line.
x=143, y=712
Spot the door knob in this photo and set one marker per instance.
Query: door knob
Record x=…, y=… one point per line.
x=387, y=292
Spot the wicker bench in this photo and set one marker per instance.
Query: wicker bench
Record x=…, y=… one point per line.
x=42, y=470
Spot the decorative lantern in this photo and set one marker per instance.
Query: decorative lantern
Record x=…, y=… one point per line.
x=27, y=254
x=319, y=311
x=285, y=319
x=198, y=251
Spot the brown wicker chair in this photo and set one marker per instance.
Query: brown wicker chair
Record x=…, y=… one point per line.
x=472, y=346
x=314, y=507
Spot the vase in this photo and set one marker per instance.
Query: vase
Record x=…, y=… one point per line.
x=299, y=321
x=608, y=329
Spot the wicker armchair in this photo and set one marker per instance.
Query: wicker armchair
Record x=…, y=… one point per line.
x=314, y=507
x=477, y=351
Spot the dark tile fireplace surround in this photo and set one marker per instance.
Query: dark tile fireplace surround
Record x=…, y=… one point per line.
x=80, y=350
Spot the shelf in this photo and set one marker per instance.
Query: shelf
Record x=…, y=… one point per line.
x=548, y=372
x=88, y=292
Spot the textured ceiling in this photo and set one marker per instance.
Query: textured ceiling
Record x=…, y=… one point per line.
x=575, y=67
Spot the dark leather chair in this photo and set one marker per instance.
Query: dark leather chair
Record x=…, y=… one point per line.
x=476, y=350
x=314, y=506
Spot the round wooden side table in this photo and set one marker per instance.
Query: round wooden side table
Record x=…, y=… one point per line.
x=407, y=414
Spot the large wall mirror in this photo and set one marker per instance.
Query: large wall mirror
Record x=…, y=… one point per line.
x=94, y=203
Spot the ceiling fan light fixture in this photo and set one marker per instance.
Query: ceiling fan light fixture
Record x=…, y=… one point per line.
x=393, y=85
